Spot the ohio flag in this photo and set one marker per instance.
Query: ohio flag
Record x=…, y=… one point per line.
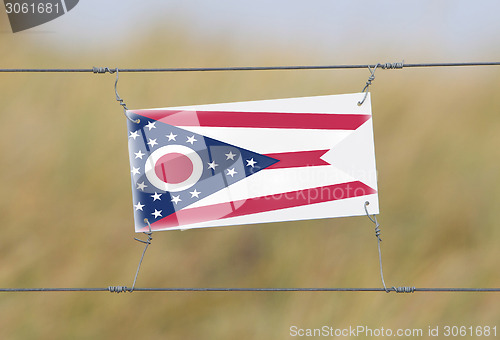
x=252, y=162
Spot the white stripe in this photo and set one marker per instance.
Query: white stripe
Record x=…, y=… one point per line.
x=345, y=103
x=63, y=2
x=273, y=140
x=275, y=182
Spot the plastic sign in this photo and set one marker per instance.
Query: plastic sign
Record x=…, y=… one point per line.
x=252, y=162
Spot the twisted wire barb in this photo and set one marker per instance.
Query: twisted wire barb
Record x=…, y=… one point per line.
x=392, y=66
x=379, y=239
x=368, y=83
x=102, y=70
x=122, y=289
x=386, y=66
x=117, y=289
x=377, y=235
x=147, y=243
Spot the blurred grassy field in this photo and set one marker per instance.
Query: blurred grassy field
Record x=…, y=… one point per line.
x=66, y=209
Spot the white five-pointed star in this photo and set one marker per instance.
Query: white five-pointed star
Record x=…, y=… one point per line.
x=231, y=172
x=212, y=165
x=152, y=142
x=195, y=193
x=191, y=140
x=156, y=196
x=157, y=213
x=140, y=154
x=251, y=162
x=133, y=135
x=176, y=199
x=135, y=171
x=141, y=186
x=151, y=125
x=139, y=206
x=230, y=156
x=171, y=136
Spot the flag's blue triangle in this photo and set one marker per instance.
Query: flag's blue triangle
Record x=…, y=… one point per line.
x=222, y=164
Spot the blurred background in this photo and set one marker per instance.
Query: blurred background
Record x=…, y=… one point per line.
x=66, y=208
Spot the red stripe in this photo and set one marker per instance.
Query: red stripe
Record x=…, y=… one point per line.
x=164, y=173
x=297, y=159
x=278, y=120
x=264, y=203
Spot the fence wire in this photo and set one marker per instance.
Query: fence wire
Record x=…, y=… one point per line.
x=398, y=65
x=124, y=289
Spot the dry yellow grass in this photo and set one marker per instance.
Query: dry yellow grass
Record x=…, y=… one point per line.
x=66, y=212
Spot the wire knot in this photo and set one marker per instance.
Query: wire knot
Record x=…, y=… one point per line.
x=374, y=220
x=118, y=99
x=368, y=83
x=118, y=289
x=148, y=241
x=378, y=232
x=103, y=70
x=402, y=289
x=392, y=66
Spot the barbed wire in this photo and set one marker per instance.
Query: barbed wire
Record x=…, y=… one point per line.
x=398, y=65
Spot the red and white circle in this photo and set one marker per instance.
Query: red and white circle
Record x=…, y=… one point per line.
x=174, y=168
